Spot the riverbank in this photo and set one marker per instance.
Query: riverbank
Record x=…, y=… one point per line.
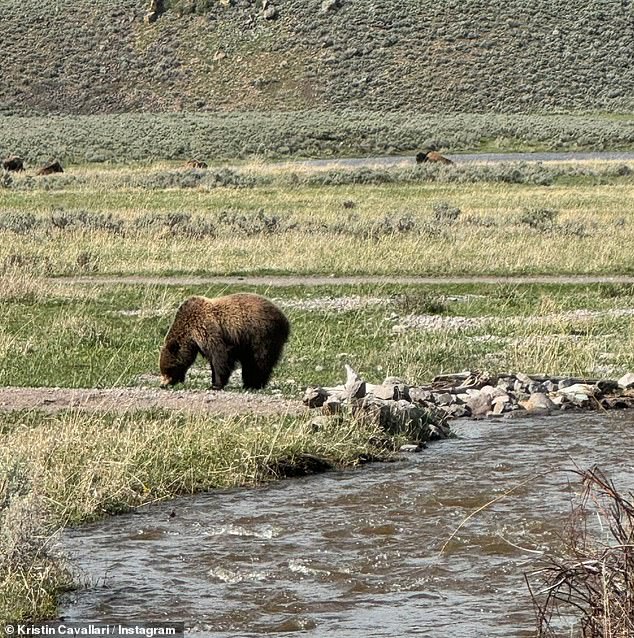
x=337, y=553
x=75, y=466
x=85, y=461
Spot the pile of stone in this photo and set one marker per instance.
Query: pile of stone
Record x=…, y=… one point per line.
x=390, y=405
x=421, y=412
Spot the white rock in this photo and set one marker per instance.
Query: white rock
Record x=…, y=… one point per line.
x=385, y=392
x=498, y=407
x=626, y=381
x=579, y=388
x=410, y=447
x=494, y=392
x=355, y=385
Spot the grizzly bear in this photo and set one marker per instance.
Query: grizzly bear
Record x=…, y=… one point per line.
x=194, y=163
x=49, y=169
x=13, y=163
x=242, y=327
x=431, y=156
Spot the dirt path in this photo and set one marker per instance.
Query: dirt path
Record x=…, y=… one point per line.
x=311, y=280
x=462, y=158
x=131, y=399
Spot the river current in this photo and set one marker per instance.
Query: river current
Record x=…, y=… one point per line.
x=358, y=553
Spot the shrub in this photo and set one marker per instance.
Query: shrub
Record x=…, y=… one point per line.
x=444, y=213
x=540, y=219
x=18, y=222
x=177, y=224
x=421, y=303
x=259, y=224
x=6, y=179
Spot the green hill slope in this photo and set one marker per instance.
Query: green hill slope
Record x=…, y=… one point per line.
x=399, y=55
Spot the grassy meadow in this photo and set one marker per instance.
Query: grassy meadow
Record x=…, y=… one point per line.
x=511, y=219
x=60, y=329
x=89, y=335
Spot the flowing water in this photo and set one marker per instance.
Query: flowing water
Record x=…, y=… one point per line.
x=358, y=553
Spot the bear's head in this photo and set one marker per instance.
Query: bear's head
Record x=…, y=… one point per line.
x=421, y=157
x=171, y=364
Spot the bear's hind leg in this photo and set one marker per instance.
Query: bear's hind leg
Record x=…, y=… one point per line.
x=254, y=375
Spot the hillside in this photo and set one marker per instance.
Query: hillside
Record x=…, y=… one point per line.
x=437, y=56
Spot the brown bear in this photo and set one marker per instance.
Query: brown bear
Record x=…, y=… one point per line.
x=13, y=163
x=194, y=163
x=49, y=169
x=242, y=327
x=432, y=156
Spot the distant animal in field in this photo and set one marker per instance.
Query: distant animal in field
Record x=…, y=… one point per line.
x=240, y=328
x=13, y=163
x=49, y=169
x=196, y=164
x=431, y=156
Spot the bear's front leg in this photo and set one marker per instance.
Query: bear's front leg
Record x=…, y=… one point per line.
x=220, y=369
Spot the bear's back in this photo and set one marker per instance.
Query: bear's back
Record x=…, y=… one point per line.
x=238, y=315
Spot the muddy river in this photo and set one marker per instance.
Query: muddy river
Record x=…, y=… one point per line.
x=356, y=553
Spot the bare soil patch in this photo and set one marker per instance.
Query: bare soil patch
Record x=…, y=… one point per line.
x=132, y=399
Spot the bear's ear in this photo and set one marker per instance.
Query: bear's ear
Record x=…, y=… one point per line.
x=173, y=346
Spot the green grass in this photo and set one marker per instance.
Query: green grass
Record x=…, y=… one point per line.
x=31, y=577
x=104, y=336
x=91, y=465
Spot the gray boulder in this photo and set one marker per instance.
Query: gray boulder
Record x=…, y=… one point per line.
x=538, y=403
x=479, y=404
x=314, y=397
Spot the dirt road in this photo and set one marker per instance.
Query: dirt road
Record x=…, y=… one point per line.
x=225, y=403
x=324, y=280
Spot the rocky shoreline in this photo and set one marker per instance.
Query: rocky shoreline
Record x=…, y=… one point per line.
x=422, y=412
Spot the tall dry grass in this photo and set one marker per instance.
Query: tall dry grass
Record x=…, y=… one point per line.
x=587, y=589
x=31, y=575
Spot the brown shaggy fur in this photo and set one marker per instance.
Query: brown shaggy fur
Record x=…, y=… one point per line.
x=13, y=163
x=432, y=156
x=243, y=328
x=193, y=163
x=49, y=169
